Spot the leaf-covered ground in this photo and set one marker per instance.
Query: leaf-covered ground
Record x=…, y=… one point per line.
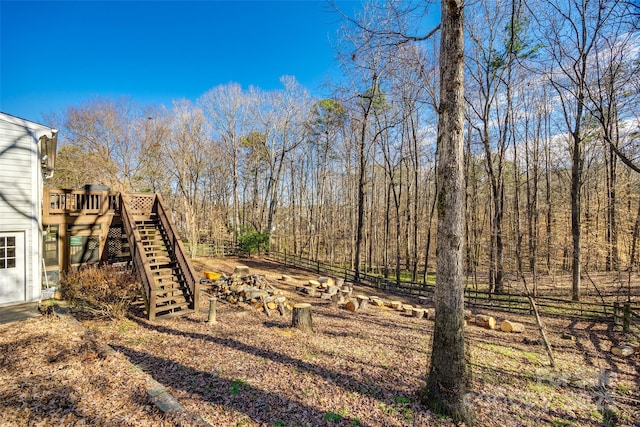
x=356, y=369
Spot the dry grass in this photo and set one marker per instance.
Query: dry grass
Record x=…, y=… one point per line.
x=360, y=368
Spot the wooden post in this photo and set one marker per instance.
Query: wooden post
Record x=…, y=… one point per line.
x=626, y=317
x=616, y=316
x=301, y=317
x=212, y=311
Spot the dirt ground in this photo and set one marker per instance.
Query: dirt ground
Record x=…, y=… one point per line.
x=355, y=369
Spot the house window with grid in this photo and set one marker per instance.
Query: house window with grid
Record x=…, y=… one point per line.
x=7, y=252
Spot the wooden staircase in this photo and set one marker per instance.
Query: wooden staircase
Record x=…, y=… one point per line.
x=159, y=259
x=172, y=293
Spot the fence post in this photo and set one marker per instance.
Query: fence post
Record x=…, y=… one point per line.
x=626, y=319
x=616, y=315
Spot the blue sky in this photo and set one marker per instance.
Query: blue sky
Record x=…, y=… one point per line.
x=54, y=54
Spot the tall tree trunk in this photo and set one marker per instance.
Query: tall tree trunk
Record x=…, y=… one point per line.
x=447, y=381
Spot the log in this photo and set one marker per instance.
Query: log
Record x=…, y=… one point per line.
x=485, y=321
x=363, y=301
x=396, y=305
x=301, y=317
x=418, y=312
x=338, y=298
x=345, y=293
x=514, y=327
x=351, y=305
x=332, y=290
x=431, y=314
x=423, y=300
x=312, y=292
x=326, y=295
x=468, y=315
x=408, y=309
x=377, y=301
x=622, y=350
x=314, y=283
x=286, y=278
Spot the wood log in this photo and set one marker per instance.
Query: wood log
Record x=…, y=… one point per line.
x=301, y=317
x=286, y=278
x=363, y=301
x=485, y=321
x=396, y=305
x=468, y=315
x=408, y=309
x=351, y=304
x=345, y=292
x=326, y=295
x=622, y=350
x=272, y=305
x=332, y=290
x=314, y=283
x=312, y=292
x=377, y=301
x=338, y=298
x=509, y=326
x=339, y=282
x=423, y=300
x=418, y=312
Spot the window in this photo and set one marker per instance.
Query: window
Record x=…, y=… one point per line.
x=7, y=252
x=51, y=245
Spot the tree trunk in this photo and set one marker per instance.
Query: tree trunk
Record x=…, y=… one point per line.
x=446, y=384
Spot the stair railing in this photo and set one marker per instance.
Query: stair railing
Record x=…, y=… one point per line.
x=140, y=264
x=179, y=252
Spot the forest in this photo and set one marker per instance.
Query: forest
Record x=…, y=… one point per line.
x=551, y=146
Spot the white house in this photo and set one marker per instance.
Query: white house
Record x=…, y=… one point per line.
x=27, y=157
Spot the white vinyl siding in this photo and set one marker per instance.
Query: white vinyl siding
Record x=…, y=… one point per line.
x=21, y=191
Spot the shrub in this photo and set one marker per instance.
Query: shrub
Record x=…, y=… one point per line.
x=250, y=241
x=104, y=291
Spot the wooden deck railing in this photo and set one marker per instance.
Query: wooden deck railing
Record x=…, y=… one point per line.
x=139, y=258
x=191, y=280
x=80, y=202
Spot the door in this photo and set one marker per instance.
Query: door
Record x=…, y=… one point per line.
x=12, y=268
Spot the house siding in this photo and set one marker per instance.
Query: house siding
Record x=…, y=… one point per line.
x=21, y=192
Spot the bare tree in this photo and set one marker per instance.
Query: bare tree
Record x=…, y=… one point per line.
x=446, y=384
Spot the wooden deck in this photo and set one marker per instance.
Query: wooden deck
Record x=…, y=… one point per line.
x=94, y=226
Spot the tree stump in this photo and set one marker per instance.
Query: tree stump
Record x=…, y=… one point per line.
x=431, y=314
x=240, y=271
x=301, y=317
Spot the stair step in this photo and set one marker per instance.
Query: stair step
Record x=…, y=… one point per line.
x=169, y=286
x=172, y=314
x=175, y=299
x=172, y=307
x=158, y=265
